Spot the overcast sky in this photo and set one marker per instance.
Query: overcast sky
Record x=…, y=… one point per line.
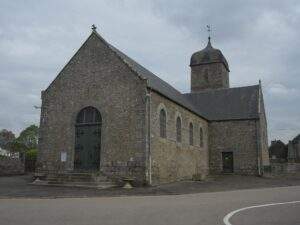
x=260, y=40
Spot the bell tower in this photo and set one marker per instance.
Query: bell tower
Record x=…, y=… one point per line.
x=209, y=69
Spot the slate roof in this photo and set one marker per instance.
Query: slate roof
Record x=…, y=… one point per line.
x=220, y=104
x=208, y=55
x=227, y=104
x=296, y=139
x=157, y=84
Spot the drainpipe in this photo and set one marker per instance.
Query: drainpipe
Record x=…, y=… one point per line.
x=148, y=97
x=258, y=132
x=257, y=147
x=148, y=136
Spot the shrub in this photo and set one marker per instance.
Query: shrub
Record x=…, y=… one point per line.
x=30, y=160
x=3, y=157
x=31, y=154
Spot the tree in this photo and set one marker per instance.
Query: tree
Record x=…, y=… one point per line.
x=15, y=146
x=6, y=137
x=29, y=137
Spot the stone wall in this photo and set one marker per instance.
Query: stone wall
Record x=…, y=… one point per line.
x=294, y=150
x=172, y=160
x=239, y=137
x=263, y=134
x=209, y=76
x=11, y=166
x=97, y=77
x=284, y=168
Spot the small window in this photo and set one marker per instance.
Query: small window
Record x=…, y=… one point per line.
x=178, y=129
x=191, y=134
x=201, y=137
x=163, y=123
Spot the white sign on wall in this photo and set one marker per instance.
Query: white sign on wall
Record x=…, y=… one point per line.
x=63, y=156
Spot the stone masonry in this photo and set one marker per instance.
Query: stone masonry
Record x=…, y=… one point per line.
x=96, y=77
x=209, y=76
x=173, y=160
x=11, y=166
x=239, y=137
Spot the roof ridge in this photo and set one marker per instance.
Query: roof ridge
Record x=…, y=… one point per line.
x=155, y=83
x=220, y=89
x=117, y=51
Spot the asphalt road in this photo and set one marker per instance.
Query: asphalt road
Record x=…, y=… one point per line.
x=202, y=208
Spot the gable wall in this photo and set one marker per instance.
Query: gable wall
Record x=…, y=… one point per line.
x=171, y=160
x=96, y=77
x=239, y=137
x=263, y=132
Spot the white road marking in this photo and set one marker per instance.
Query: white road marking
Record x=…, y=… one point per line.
x=229, y=215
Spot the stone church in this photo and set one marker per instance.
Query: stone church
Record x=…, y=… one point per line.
x=106, y=114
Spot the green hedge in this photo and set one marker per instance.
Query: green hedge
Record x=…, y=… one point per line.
x=3, y=157
x=31, y=154
x=30, y=160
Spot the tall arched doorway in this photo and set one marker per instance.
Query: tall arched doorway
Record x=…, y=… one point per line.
x=87, y=139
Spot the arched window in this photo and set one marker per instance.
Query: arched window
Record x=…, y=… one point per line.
x=201, y=137
x=191, y=134
x=178, y=129
x=163, y=123
x=88, y=115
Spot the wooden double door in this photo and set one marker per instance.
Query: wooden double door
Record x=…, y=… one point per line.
x=87, y=147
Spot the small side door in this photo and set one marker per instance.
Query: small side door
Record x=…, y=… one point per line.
x=227, y=160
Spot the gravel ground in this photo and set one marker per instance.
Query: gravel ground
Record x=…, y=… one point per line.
x=20, y=187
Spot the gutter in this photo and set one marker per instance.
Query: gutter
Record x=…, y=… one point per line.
x=257, y=147
x=234, y=119
x=178, y=103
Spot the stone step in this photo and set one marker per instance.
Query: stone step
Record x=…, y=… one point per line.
x=75, y=177
x=71, y=175
x=70, y=178
x=55, y=179
x=98, y=185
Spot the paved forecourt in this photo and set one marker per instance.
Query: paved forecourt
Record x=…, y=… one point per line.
x=202, y=208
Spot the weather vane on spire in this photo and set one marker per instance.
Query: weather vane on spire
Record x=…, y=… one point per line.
x=208, y=31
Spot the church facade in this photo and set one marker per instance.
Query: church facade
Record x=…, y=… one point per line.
x=105, y=113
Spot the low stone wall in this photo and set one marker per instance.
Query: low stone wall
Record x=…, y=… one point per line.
x=117, y=170
x=281, y=168
x=11, y=166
